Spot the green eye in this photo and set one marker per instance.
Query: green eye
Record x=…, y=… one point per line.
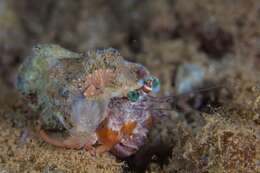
x=155, y=83
x=133, y=96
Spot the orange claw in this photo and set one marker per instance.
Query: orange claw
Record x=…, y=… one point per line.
x=128, y=127
x=110, y=138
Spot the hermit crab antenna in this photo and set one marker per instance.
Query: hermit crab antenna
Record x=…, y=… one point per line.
x=165, y=103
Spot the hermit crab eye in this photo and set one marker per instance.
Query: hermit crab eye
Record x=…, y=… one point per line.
x=151, y=84
x=155, y=84
x=133, y=96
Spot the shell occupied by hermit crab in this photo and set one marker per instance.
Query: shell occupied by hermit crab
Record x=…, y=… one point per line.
x=98, y=97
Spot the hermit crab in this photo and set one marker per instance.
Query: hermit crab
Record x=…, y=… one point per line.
x=102, y=101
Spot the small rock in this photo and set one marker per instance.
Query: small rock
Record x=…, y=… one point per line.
x=188, y=77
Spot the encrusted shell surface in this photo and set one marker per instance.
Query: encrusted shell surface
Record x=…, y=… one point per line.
x=71, y=90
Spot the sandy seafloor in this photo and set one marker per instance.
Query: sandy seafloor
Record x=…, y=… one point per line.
x=221, y=37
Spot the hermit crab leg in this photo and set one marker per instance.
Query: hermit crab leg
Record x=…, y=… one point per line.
x=72, y=142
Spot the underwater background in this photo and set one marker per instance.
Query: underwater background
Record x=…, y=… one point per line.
x=208, y=48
